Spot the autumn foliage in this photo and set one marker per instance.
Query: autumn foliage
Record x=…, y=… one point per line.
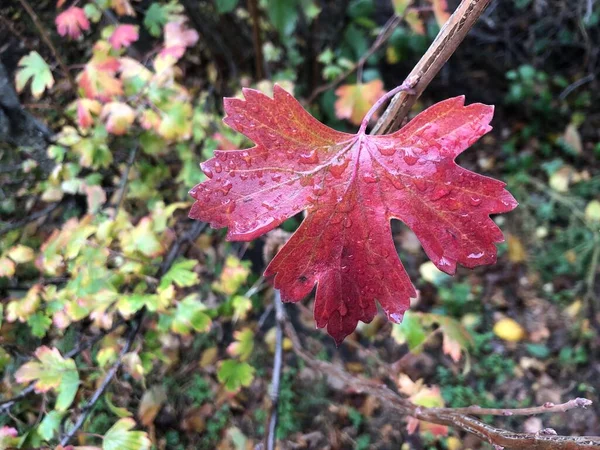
x=351, y=186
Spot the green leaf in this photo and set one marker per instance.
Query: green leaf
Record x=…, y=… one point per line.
x=410, y=331
x=189, y=316
x=51, y=371
x=119, y=437
x=225, y=6
x=39, y=324
x=157, y=16
x=234, y=374
x=244, y=344
x=48, y=427
x=283, y=14
x=33, y=66
x=116, y=410
x=68, y=388
x=180, y=274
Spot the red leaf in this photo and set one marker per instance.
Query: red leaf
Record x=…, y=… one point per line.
x=352, y=185
x=71, y=22
x=123, y=36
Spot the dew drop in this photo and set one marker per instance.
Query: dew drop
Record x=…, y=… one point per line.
x=268, y=206
x=347, y=224
x=420, y=184
x=343, y=309
x=221, y=155
x=320, y=189
x=218, y=167
x=476, y=255
x=370, y=177
x=440, y=193
x=243, y=176
x=309, y=158
x=276, y=177
x=337, y=170
x=411, y=160
x=262, y=182
x=475, y=201
x=226, y=187
x=386, y=149
x=208, y=172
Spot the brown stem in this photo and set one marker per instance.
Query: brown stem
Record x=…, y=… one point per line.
x=256, y=39
x=545, y=408
x=499, y=438
x=46, y=38
x=445, y=44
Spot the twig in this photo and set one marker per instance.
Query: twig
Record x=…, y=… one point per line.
x=46, y=38
x=13, y=226
x=545, y=408
x=276, y=376
x=445, y=44
x=576, y=84
x=124, y=180
x=385, y=34
x=87, y=409
x=6, y=405
x=256, y=39
x=498, y=437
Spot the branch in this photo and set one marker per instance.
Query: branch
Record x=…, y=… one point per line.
x=6, y=405
x=445, y=44
x=256, y=39
x=46, y=38
x=382, y=38
x=499, y=438
x=548, y=407
x=276, y=376
x=87, y=409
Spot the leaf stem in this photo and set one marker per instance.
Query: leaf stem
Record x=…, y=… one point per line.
x=407, y=86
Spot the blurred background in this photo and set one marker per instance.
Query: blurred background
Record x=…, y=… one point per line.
x=118, y=311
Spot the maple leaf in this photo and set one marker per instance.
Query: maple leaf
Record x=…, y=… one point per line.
x=123, y=36
x=72, y=22
x=98, y=79
x=33, y=66
x=85, y=108
x=355, y=100
x=352, y=185
x=177, y=39
x=119, y=117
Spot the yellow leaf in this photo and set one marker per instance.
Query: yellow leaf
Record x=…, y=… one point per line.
x=355, y=100
x=509, y=330
x=572, y=138
x=21, y=254
x=516, y=251
x=592, y=211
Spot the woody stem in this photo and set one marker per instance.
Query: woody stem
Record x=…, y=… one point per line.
x=405, y=86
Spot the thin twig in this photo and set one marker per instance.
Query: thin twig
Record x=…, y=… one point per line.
x=276, y=376
x=445, y=44
x=498, y=437
x=256, y=39
x=124, y=180
x=46, y=38
x=87, y=408
x=576, y=84
x=6, y=405
x=382, y=38
x=13, y=226
x=545, y=408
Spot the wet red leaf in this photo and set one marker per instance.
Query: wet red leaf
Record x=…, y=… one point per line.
x=351, y=186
